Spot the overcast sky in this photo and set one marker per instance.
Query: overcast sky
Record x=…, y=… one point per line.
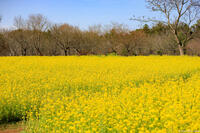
x=82, y=13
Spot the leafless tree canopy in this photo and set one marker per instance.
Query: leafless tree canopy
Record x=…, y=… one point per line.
x=19, y=23
x=37, y=36
x=177, y=12
x=37, y=22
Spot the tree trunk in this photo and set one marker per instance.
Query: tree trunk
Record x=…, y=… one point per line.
x=23, y=51
x=77, y=51
x=65, y=52
x=180, y=45
x=38, y=51
x=181, y=50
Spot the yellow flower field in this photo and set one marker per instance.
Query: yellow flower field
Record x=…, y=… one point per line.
x=102, y=94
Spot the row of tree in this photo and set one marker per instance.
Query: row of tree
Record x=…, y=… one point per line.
x=177, y=34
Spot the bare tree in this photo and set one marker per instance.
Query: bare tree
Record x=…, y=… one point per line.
x=64, y=36
x=175, y=13
x=50, y=45
x=114, y=37
x=38, y=24
x=20, y=23
x=163, y=43
x=86, y=42
x=21, y=39
x=11, y=43
x=133, y=42
x=3, y=46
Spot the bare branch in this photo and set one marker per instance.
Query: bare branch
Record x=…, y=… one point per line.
x=38, y=22
x=19, y=22
x=176, y=12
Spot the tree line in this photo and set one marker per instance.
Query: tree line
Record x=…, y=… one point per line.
x=177, y=34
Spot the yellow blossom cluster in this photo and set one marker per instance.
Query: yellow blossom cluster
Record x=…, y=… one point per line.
x=101, y=94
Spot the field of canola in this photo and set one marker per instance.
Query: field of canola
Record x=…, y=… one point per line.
x=101, y=94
